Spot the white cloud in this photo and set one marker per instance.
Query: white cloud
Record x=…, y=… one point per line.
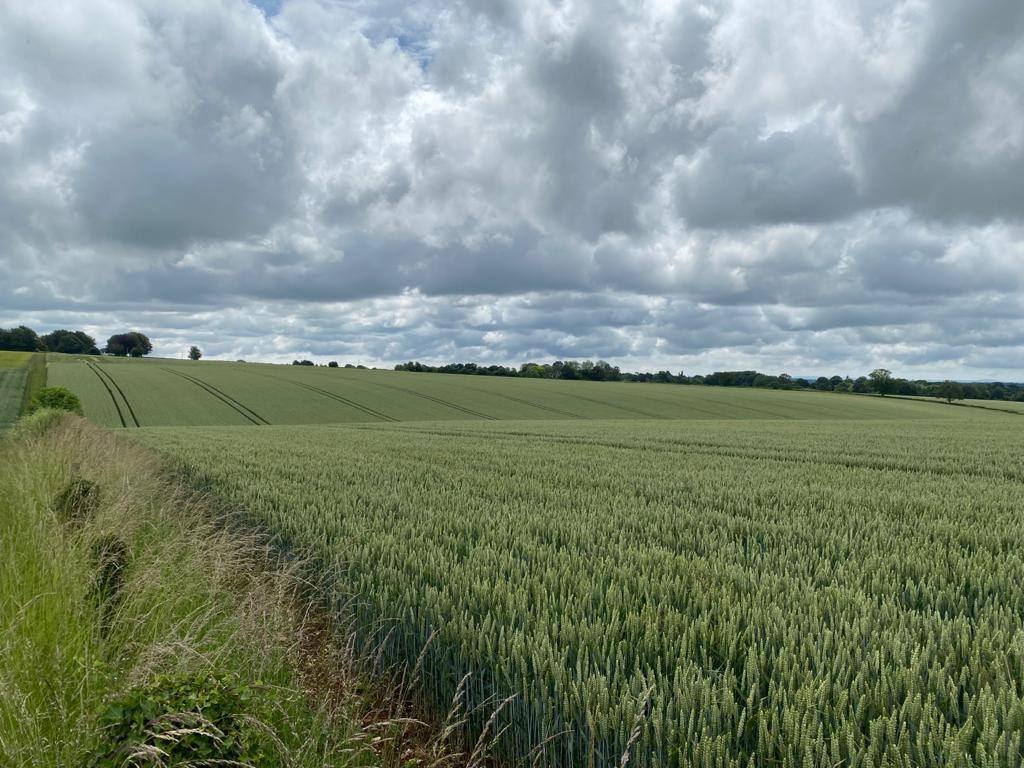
x=777, y=185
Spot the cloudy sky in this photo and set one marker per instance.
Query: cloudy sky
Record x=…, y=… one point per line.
x=790, y=185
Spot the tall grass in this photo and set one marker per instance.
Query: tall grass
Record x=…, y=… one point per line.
x=35, y=379
x=195, y=599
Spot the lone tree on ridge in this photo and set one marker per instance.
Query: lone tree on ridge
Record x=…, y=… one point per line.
x=882, y=381
x=134, y=343
x=950, y=391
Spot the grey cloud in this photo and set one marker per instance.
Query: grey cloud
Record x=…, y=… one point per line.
x=739, y=178
x=700, y=184
x=952, y=146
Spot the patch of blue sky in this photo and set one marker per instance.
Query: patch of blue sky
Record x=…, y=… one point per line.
x=418, y=46
x=380, y=24
x=268, y=7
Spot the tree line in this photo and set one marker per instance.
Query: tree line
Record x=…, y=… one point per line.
x=24, y=339
x=880, y=381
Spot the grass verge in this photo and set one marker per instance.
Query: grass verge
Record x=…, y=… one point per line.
x=133, y=628
x=35, y=380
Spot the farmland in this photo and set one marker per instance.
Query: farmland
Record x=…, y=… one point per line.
x=149, y=393
x=686, y=575
x=21, y=375
x=817, y=580
x=998, y=405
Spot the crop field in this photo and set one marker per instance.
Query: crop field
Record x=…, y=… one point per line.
x=999, y=405
x=15, y=369
x=133, y=393
x=820, y=581
x=22, y=376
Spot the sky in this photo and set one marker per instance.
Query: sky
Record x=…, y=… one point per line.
x=801, y=186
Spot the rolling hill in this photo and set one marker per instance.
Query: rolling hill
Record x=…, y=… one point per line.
x=149, y=393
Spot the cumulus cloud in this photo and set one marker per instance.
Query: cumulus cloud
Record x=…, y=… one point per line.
x=804, y=185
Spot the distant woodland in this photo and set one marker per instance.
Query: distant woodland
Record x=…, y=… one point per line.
x=879, y=381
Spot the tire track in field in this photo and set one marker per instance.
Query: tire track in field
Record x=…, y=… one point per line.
x=438, y=400
x=716, y=411
x=243, y=410
x=110, y=392
x=627, y=409
x=530, y=403
x=115, y=385
x=344, y=400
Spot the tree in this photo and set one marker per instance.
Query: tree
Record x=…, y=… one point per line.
x=881, y=381
x=20, y=339
x=950, y=391
x=58, y=398
x=70, y=342
x=332, y=364
x=194, y=352
x=134, y=343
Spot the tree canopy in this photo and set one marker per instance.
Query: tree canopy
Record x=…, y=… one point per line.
x=133, y=343
x=950, y=391
x=70, y=342
x=882, y=381
x=20, y=339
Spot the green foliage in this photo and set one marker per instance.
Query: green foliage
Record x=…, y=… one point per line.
x=811, y=593
x=20, y=339
x=70, y=342
x=882, y=382
x=183, y=720
x=194, y=353
x=56, y=398
x=132, y=343
x=950, y=391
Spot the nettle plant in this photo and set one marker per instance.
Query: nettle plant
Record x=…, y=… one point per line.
x=199, y=718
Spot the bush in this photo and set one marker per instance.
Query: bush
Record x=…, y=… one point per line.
x=57, y=398
x=197, y=719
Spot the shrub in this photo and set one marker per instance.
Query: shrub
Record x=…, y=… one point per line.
x=57, y=398
x=195, y=719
